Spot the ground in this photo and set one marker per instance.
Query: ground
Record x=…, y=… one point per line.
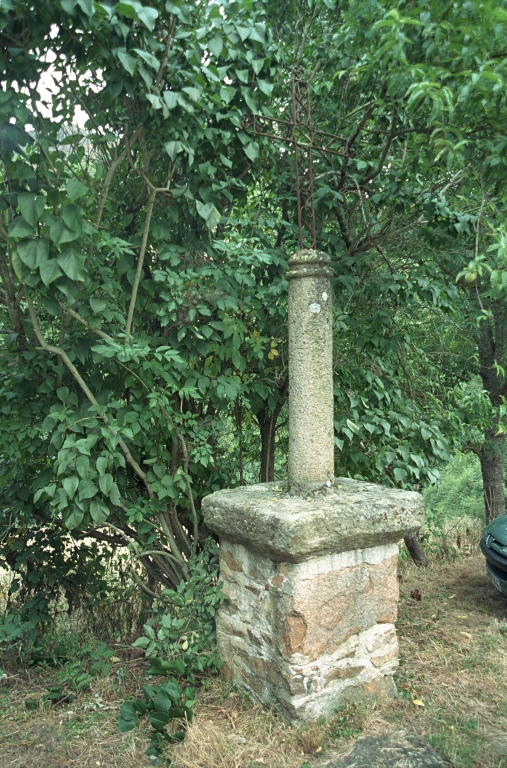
x=452, y=683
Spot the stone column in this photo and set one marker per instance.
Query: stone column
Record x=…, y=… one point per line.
x=311, y=430
x=308, y=567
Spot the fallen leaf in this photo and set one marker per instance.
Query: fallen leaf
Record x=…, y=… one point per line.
x=464, y=616
x=465, y=634
x=418, y=702
x=319, y=749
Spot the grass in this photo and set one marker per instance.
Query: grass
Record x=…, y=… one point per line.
x=453, y=648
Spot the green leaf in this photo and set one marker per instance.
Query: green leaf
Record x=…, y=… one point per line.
x=71, y=265
x=70, y=485
x=258, y=34
x=148, y=16
x=171, y=99
x=252, y=151
x=83, y=466
x=149, y=58
x=185, y=104
x=257, y=65
x=128, y=718
x=155, y=101
x=87, y=7
x=171, y=689
x=33, y=253
x=353, y=427
x=128, y=62
x=101, y=465
x=127, y=712
x=98, y=511
x=105, y=483
x=72, y=215
x=209, y=213
x=17, y=264
x=265, y=87
x=31, y=206
x=49, y=271
x=194, y=93
x=250, y=101
x=141, y=642
x=20, y=228
x=127, y=9
x=98, y=305
x=243, y=75
x=87, y=489
x=216, y=44
x=75, y=189
x=114, y=495
x=225, y=160
x=173, y=147
x=74, y=519
x=60, y=233
x=227, y=93
x=158, y=720
x=69, y=6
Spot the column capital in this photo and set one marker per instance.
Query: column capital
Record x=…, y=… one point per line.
x=309, y=263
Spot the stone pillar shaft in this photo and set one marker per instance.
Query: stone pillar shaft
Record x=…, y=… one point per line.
x=311, y=427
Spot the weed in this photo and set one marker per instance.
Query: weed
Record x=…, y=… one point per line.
x=343, y=726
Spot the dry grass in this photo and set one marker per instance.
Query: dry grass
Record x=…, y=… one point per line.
x=230, y=732
x=84, y=733
x=454, y=659
x=453, y=645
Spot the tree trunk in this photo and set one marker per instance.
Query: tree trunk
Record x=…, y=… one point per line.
x=267, y=426
x=491, y=344
x=416, y=551
x=266, y=419
x=491, y=457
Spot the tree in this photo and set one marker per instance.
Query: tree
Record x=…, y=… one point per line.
x=144, y=254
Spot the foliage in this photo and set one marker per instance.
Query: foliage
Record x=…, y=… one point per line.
x=75, y=676
x=17, y=635
x=145, y=236
x=458, y=494
x=162, y=703
x=183, y=623
x=180, y=639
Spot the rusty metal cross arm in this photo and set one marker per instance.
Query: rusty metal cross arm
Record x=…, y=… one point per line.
x=305, y=139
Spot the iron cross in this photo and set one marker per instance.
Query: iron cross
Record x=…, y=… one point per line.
x=305, y=139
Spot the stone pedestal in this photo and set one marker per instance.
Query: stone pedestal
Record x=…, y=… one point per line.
x=312, y=593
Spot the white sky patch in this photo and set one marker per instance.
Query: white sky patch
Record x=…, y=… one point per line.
x=49, y=85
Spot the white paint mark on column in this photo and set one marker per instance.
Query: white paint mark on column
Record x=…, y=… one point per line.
x=315, y=308
x=324, y=296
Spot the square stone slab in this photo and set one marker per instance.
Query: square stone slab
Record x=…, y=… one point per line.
x=348, y=516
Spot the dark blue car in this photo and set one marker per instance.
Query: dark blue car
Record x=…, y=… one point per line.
x=494, y=549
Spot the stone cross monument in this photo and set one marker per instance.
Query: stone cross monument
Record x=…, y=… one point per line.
x=308, y=567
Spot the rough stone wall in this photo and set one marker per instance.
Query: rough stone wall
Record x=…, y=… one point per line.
x=308, y=637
